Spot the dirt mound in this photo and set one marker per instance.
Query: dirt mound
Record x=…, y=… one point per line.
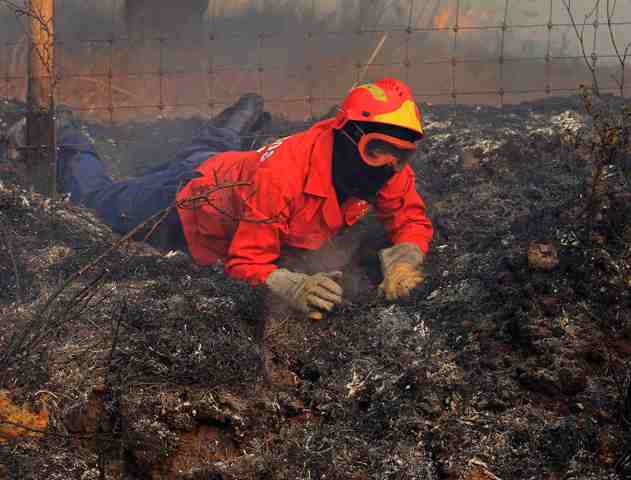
x=509, y=362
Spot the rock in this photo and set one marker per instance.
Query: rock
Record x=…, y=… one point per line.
x=542, y=256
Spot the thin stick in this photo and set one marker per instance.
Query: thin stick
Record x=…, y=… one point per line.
x=17, y=341
x=103, y=84
x=372, y=59
x=580, y=35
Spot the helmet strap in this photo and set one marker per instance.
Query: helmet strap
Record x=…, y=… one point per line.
x=349, y=136
x=361, y=131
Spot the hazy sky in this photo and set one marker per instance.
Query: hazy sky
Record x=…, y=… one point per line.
x=97, y=18
x=325, y=64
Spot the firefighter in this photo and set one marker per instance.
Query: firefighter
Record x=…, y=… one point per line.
x=242, y=207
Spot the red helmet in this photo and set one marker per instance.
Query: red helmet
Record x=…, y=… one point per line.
x=388, y=101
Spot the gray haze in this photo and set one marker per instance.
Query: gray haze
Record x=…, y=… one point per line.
x=290, y=50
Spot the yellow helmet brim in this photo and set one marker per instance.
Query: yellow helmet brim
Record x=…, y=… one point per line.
x=405, y=116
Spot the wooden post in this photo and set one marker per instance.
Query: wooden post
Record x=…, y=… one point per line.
x=40, y=128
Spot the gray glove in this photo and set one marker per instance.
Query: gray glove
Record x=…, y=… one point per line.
x=401, y=267
x=311, y=294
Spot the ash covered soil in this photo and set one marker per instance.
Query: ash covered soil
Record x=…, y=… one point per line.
x=502, y=365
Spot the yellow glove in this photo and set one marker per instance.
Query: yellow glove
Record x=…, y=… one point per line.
x=311, y=294
x=400, y=280
x=402, y=272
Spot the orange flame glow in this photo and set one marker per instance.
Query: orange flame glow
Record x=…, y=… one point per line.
x=447, y=18
x=442, y=19
x=19, y=421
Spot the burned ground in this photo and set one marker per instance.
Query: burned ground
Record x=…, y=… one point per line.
x=510, y=362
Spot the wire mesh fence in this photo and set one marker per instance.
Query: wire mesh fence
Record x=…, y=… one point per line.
x=303, y=56
x=122, y=60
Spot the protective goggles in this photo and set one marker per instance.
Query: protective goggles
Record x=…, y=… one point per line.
x=379, y=149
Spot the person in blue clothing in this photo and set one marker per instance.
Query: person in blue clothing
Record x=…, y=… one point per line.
x=294, y=193
x=125, y=204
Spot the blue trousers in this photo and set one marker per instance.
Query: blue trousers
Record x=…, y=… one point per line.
x=125, y=204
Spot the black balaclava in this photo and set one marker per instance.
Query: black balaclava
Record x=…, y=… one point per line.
x=352, y=177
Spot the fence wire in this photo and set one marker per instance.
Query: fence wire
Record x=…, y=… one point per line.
x=451, y=59
x=303, y=56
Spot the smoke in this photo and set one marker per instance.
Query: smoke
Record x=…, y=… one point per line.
x=303, y=55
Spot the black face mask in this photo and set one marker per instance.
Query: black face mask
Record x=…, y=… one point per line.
x=352, y=177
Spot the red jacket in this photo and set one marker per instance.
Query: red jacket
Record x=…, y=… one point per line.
x=284, y=196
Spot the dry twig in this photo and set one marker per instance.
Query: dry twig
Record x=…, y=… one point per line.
x=590, y=61
x=34, y=329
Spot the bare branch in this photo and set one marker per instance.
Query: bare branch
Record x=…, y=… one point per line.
x=26, y=428
x=580, y=34
x=204, y=198
x=622, y=57
x=31, y=333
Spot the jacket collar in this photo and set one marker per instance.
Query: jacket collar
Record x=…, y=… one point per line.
x=319, y=181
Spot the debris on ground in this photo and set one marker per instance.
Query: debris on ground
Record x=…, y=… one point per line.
x=510, y=361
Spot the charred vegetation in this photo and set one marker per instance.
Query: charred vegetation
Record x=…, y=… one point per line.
x=510, y=361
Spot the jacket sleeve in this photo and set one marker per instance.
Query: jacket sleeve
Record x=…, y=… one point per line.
x=256, y=243
x=402, y=211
